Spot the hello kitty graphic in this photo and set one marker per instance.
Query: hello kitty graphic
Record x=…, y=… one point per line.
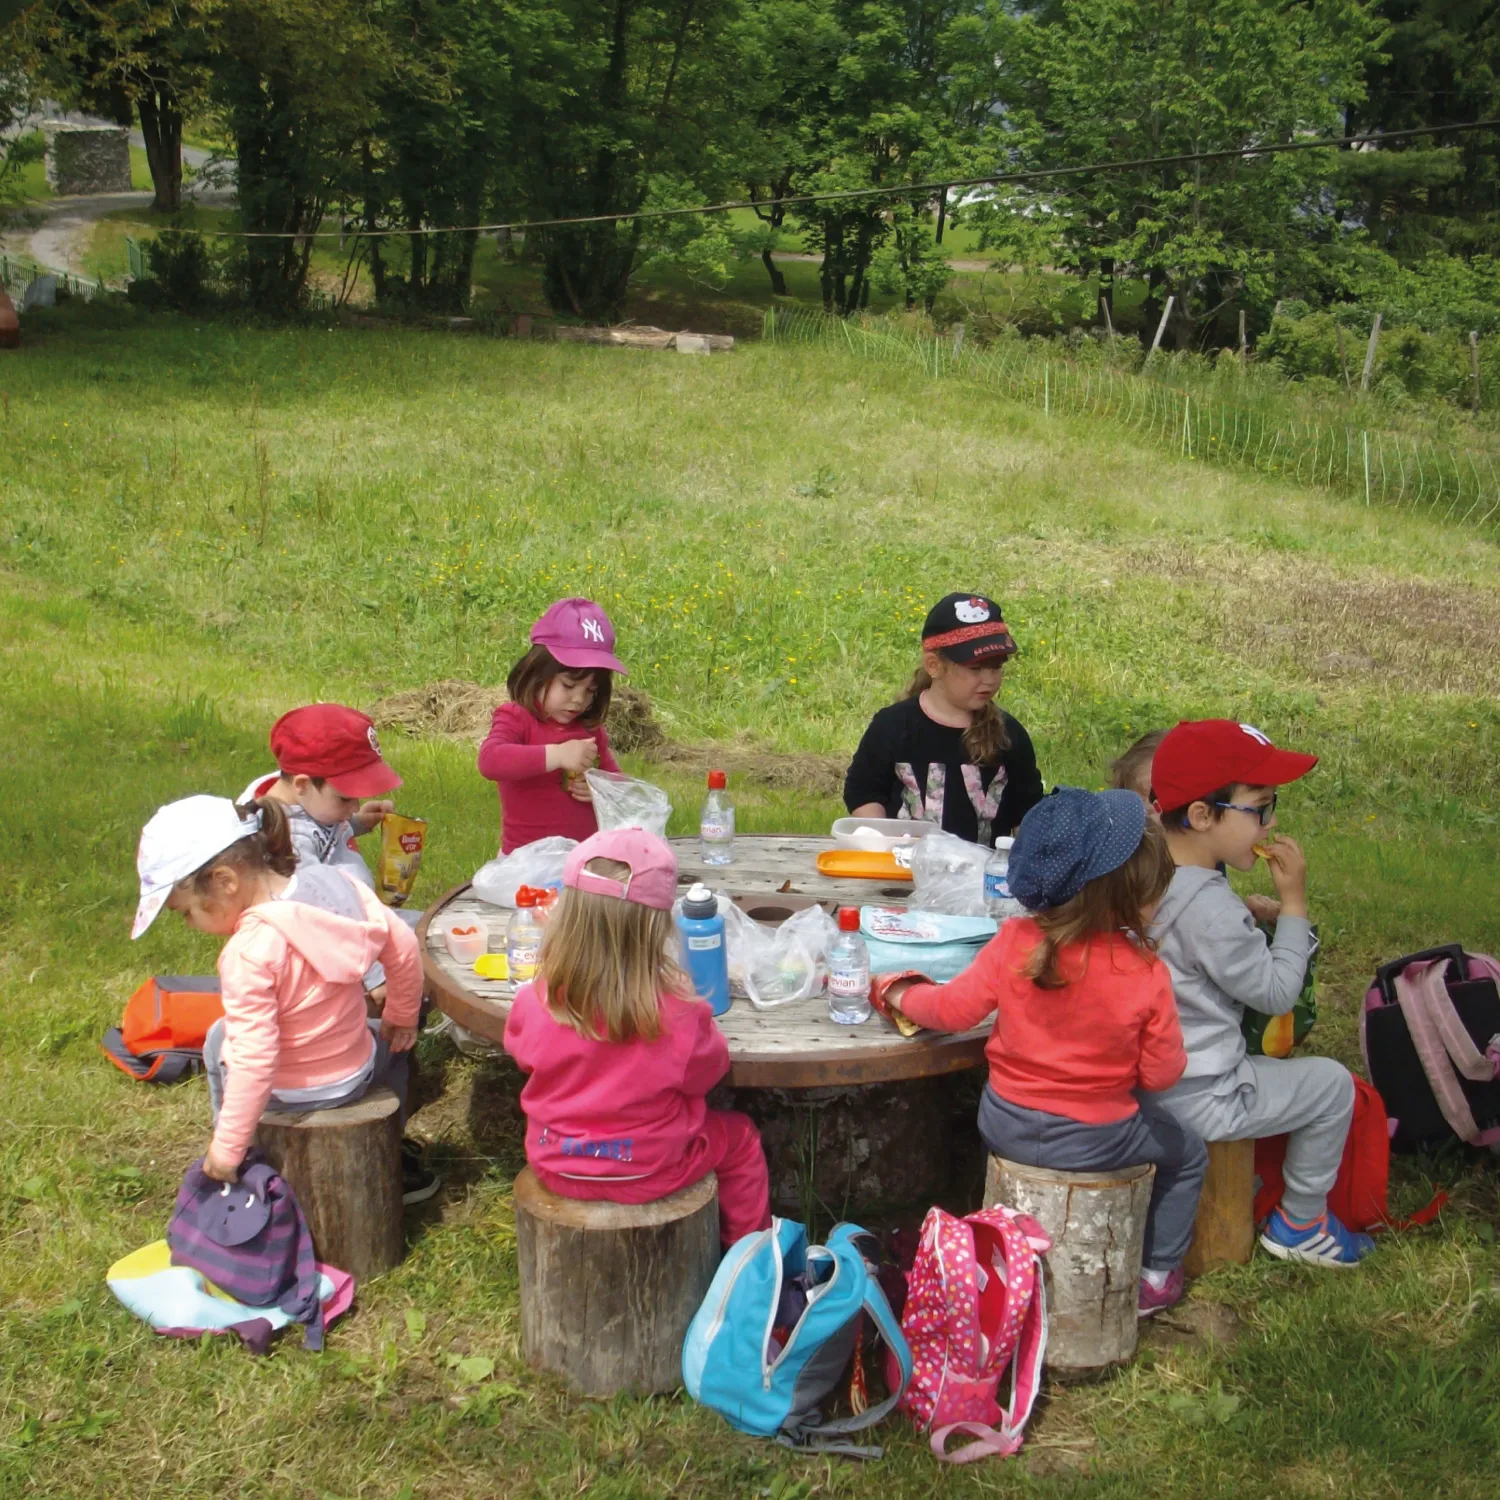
x=972, y=611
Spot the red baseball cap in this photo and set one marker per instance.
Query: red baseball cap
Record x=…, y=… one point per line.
x=334, y=743
x=1201, y=755
x=578, y=633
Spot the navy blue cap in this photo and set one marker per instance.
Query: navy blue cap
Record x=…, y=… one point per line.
x=1071, y=838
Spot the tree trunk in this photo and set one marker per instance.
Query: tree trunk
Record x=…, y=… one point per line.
x=1107, y=290
x=608, y=1289
x=942, y=215
x=1097, y=1224
x=1151, y=309
x=778, y=281
x=161, y=128
x=1224, y=1230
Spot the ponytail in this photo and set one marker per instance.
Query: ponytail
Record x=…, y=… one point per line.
x=985, y=740
x=269, y=849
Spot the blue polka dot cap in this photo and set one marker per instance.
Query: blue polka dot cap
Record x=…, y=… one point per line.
x=1071, y=838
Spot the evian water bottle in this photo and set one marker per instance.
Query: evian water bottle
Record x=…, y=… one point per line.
x=716, y=823
x=848, y=972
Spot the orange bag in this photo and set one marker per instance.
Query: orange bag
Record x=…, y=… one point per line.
x=160, y=1037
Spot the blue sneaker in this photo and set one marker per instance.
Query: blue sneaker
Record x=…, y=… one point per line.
x=1323, y=1242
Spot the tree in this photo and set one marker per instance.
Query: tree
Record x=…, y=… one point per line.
x=1101, y=80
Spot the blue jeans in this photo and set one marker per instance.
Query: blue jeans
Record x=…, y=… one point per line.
x=1032, y=1138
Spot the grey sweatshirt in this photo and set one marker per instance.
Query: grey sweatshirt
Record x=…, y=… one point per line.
x=1220, y=963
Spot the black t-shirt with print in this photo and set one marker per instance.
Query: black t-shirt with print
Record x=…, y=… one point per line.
x=900, y=752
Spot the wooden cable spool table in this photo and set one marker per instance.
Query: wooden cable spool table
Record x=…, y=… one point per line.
x=867, y=1110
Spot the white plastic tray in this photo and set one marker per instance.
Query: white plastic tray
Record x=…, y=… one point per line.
x=893, y=832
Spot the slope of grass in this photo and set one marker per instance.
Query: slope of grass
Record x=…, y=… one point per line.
x=202, y=525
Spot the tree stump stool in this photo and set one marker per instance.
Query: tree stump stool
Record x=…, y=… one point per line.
x=608, y=1289
x=1224, y=1230
x=344, y=1165
x=1097, y=1223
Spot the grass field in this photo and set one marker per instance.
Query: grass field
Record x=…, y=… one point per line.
x=202, y=525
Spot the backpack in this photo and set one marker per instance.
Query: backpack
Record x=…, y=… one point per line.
x=975, y=1304
x=1358, y=1195
x=777, y=1329
x=160, y=1037
x=1430, y=1032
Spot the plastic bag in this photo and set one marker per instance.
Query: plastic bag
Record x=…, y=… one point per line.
x=538, y=863
x=932, y=943
x=623, y=802
x=948, y=875
x=773, y=966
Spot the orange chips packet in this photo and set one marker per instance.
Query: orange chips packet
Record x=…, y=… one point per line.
x=401, y=843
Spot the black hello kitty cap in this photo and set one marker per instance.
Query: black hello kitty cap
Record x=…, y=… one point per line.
x=967, y=628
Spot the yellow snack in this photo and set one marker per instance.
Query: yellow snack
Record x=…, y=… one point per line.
x=401, y=843
x=492, y=966
x=1261, y=851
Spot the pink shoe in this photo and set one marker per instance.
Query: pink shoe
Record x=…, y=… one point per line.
x=1154, y=1301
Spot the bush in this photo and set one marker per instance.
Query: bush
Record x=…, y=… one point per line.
x=182, y=273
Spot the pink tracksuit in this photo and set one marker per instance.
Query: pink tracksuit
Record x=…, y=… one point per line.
x=627, y=1121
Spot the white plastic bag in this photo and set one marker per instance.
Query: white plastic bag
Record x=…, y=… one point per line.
x=948, y=875
x=623, y=802
x=775, y=966
x=538, y=863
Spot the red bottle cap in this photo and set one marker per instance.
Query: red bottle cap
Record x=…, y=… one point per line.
x=525, y=896
x=716, y=781
x=848, y=919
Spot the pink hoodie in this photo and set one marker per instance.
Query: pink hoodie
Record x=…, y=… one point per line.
x=294, y=1002
x=600, y=1110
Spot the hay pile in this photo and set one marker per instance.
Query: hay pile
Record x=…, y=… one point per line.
x=455, y=709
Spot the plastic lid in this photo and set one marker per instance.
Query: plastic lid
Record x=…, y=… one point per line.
x=717, y=781
x=700, y=902
x=525, y=896
x=848, y=919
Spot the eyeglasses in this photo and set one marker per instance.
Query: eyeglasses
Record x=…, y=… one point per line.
x=1264, y=813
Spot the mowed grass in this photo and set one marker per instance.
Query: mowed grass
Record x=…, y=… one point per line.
x=202, y=525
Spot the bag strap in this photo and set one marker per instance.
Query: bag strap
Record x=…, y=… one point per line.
x=1444, y=1047
x=1003, y=1444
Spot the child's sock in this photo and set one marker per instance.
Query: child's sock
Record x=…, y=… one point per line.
x=1154, y=1278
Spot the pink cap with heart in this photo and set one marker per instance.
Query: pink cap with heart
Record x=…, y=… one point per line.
x=652, y=880
x=578, y=633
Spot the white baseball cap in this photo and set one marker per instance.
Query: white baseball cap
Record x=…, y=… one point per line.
x=180, y=839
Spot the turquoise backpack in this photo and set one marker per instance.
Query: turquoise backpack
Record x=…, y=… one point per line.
x=731, y=1362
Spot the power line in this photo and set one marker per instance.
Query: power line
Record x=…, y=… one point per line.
x=901, y=190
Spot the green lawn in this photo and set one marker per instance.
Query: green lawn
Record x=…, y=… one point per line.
x=202, y=525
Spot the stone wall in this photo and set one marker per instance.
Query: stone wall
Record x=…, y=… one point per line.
x=88, y=158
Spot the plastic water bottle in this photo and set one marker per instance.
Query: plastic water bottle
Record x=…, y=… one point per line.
x=523, y=938
x=998, y=901
x=716, y=823
x=704, y=953
x=848, y=972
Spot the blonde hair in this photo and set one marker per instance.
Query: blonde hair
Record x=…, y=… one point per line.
x=985, y=740
x=1115, y=902
x=1132, y=770
x=606, y=962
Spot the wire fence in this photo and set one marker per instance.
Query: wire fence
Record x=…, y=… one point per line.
x=1383, y=468
x=18, y=272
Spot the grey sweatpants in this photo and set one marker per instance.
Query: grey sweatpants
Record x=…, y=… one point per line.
x=1033, y=1138
x=1309, y=1099
x=392, y=1069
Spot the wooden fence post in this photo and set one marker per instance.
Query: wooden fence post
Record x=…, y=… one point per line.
x=1364, y=379
x=1109, y=322
x=1338, y=328
x=1161, y=327
x=1474, y=364
x=1244, y=343
x=958, y=339
x=1366, y=437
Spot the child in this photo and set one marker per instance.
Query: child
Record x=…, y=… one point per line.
x=619, y=1051
x=1131, y=772
x=1214, y=782
x=945, y=752
x=329, y=767
x=552, y=730
x=294, y=1031
x=1084, y=1017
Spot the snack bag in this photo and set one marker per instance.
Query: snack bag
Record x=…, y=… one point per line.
x=401, y=842
x=1275, y=1036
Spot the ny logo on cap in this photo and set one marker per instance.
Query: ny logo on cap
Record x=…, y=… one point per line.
x=373, y=738
x=593, y=630
x=1256, y=734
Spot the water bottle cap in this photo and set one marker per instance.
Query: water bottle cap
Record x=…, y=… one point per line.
x=717, y=781
x=700, y=902
x=525, y=896
x=848, y=919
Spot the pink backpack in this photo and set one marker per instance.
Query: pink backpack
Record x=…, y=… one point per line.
x=974, y=1304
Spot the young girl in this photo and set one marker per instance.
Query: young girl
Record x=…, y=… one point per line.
x=1131, y=772
x=620, y=1051
x=1084, y=1015
x=294, y=1031
x=552, y=730
x=946, y=752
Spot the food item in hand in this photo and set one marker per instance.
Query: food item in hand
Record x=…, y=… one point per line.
x=1261, y=851
x=401, y=843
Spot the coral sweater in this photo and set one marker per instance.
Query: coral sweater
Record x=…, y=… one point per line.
x=294, y=1001
x=534, y=802
x=1078, y=1051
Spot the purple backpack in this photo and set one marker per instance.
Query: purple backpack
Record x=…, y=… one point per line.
x=250, y=1240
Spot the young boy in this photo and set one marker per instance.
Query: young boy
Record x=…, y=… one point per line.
x=1214, y=784
x=331, y=778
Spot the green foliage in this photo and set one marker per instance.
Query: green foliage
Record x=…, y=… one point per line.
x=182, y=273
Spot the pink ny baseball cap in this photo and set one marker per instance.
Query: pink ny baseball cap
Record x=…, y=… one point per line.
x=578, y=633
x=652, y=880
